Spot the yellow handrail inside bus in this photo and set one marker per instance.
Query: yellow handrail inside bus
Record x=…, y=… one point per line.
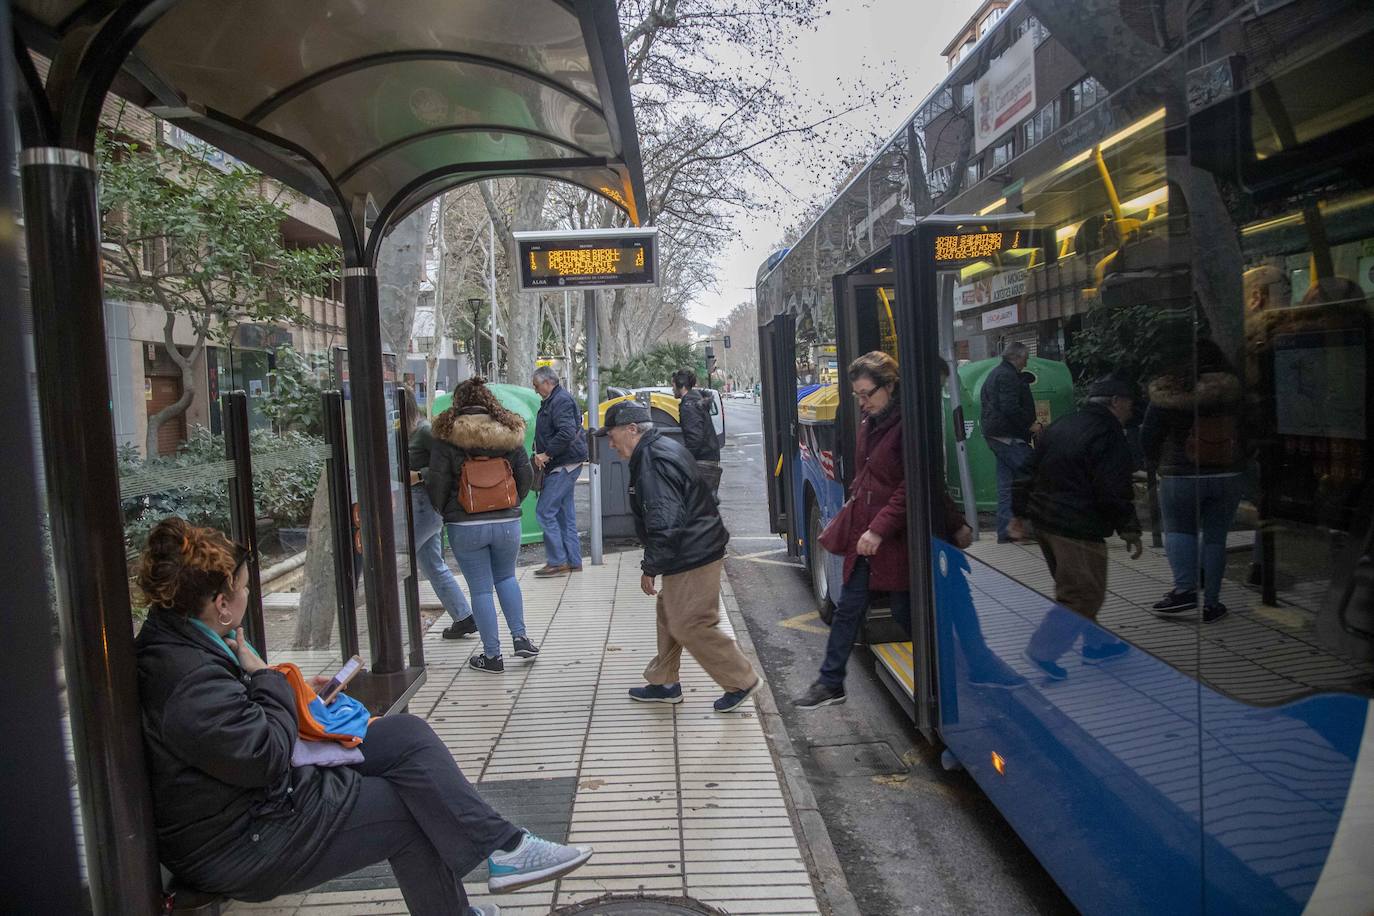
x=777, y=471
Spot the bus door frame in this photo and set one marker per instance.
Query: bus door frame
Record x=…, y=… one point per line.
x=778, y=368
x=846, y=289
x=918, y=338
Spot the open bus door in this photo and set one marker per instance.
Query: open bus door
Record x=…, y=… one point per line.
x=866, y=319
x=903, y=313
x=778, y=359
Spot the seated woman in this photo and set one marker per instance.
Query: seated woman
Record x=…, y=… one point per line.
x=234, y=816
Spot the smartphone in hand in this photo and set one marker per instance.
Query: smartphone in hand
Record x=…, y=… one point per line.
x=339, y=681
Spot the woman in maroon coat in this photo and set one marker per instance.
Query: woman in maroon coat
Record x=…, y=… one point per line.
x=875, y=555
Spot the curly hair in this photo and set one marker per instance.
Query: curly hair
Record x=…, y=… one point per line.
x=183, y=566
x=473, y=396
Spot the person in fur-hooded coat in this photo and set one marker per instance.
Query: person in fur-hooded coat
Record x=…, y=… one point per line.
x=486, y=544
x=1193, y=438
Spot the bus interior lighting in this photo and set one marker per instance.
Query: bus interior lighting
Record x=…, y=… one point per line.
x=993, y=207
x=1130, y=130
x=976, y=269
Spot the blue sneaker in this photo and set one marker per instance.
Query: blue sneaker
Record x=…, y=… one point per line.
x=1049, y=669
x=533, y=861
x=1096, y=655
x=657, y=693
x=734, y=699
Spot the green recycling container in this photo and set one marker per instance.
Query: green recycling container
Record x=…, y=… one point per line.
x=1052, y=388
x=524, y=402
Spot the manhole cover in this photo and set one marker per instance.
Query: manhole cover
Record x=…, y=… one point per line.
x=869, y=758
x=622, y=905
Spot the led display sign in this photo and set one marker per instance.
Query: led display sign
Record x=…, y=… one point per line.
x=588, y=258
x=966, y=246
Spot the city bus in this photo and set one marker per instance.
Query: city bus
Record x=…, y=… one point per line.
x=1209, y=215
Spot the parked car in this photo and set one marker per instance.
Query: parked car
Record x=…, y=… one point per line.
x=739, y=395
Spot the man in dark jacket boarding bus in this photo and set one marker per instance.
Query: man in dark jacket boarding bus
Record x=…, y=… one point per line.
x=1077, y=491
x=684, y=541
x=238, y=811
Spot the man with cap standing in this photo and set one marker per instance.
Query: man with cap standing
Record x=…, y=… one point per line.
x=684, y=540
x=1077, y=490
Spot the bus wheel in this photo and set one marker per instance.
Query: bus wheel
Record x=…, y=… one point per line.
x=816, y=557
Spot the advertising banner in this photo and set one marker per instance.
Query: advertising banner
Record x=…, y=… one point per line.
x=1001, y=318
x=1009, y=284
x=1005, y=94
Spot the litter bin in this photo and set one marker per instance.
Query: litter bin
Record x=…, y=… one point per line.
x=524, y=403
x=1052, y=389
x=616, y=518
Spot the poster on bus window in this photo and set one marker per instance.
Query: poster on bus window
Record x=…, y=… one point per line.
x=1005, y=94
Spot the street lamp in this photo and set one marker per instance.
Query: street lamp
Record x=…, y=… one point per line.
x=476, y=305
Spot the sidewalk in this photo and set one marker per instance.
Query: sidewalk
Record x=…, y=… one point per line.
x=677, y=800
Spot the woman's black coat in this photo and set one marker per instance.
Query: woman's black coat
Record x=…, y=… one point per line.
x=233, y=816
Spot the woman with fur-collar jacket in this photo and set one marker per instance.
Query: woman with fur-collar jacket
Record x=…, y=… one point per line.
x=486, y=544
x=1193, y=439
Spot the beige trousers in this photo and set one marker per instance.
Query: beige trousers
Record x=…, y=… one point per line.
x=688, y=618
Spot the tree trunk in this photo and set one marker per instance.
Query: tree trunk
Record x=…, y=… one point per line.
x=400, y=267
x=319, y=603
x=188, y=385
x=521, y=326
x=431, y=377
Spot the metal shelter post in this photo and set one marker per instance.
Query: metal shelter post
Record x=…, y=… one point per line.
x=34, y=843
x=63, y=226
x=594, y=417
x=373, y=469
x=340, y=520
x=243, y=516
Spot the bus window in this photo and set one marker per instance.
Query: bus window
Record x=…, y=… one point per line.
x=875, y=321
x=1295, y=574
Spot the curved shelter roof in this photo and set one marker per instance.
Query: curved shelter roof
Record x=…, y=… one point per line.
x=377, y=107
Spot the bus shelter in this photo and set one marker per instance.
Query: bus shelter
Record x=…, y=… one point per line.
x=372, y=109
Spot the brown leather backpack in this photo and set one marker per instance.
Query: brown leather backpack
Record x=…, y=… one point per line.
x=486, y=484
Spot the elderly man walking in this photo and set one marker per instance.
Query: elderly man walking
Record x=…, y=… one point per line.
x=559, y=450
x=684, y=541
x=1077, y=490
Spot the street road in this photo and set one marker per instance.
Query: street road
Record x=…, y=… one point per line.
x=913, y=839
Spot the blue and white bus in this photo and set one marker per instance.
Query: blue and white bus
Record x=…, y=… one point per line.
x=1190, y=192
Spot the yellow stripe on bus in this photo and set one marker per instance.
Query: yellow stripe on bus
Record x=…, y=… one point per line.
x=899, y=660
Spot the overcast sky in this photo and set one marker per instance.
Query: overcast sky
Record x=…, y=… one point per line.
x=875, y=39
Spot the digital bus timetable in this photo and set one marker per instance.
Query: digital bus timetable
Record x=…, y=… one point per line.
x=588, y=257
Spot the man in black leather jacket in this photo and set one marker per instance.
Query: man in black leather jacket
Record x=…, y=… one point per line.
x=1077, y=490
x=684, y=541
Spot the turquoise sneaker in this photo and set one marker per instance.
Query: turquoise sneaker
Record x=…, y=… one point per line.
x=533, y=861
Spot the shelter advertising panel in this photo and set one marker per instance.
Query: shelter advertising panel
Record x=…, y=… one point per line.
x=587, y=258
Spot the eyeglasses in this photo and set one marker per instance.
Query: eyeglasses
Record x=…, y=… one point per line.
x=865, y=395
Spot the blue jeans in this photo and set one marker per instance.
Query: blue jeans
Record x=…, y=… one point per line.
x=429, y=555
x=557, y=515
x=850, y=611
x=1193, y=506
x=1012, y=460
x=486, y=555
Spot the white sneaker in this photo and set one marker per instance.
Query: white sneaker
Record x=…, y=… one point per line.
x=533, y=861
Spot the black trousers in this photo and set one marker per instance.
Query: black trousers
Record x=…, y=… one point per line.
x=418, y=811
